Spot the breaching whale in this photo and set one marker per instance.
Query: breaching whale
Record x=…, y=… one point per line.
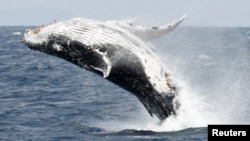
x=115, y=50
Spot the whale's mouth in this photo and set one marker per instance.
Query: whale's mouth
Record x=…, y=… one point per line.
x=34, y=46
x=39, y=36
x=30, y=38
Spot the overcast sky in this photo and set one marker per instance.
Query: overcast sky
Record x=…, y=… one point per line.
x=148, y=12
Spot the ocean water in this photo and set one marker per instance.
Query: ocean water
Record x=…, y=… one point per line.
x=46, y=98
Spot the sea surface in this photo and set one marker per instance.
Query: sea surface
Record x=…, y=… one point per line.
x=46, y=98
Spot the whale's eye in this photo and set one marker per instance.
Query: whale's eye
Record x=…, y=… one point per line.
x=103, y=49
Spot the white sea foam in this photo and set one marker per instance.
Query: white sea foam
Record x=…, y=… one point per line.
x=17, y=33
x=190, y=114
x=214, y=86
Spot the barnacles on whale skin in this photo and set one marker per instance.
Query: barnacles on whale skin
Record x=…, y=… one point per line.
x=38, y=29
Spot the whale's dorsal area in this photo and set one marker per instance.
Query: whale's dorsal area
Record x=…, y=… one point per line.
x=117, y=52
x=149, y=33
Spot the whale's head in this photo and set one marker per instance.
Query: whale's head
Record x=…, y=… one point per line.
x=77, y=36
x=60, y=40
x=39, y=38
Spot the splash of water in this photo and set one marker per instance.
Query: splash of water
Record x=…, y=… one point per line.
x=213, y=78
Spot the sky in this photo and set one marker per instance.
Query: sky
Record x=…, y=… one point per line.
x=229, y=13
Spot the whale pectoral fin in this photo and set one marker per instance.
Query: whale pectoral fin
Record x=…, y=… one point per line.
x=160, y=31
x=104, y=64
x=104, y=67
x=150, y=33
x=92, y=58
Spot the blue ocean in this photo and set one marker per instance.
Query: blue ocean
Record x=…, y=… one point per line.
x=46, y=98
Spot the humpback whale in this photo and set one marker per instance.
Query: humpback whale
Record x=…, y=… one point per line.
x=115, y=50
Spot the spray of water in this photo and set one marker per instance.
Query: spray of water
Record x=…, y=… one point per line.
x=192, y=113
x=213, y=77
